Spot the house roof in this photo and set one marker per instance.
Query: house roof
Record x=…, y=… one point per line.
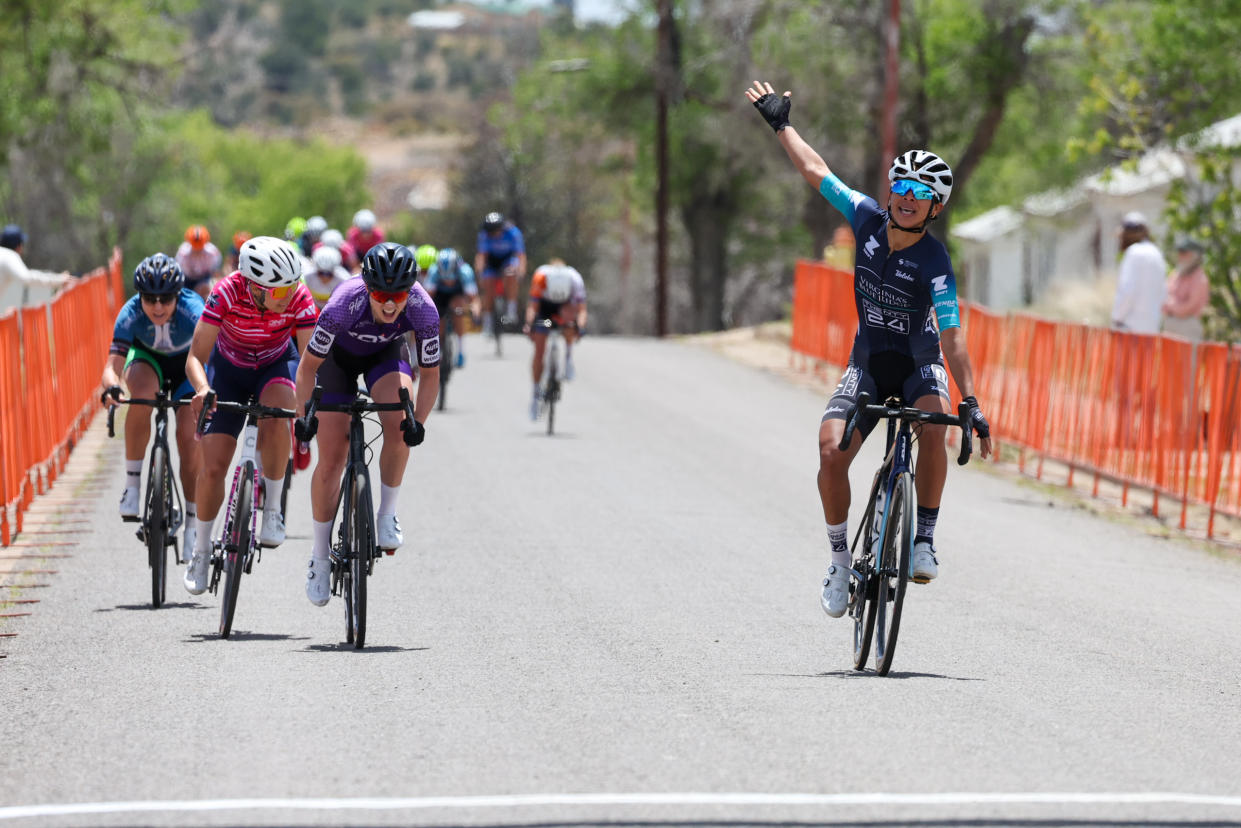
x=989, y=225
x=1155, y=169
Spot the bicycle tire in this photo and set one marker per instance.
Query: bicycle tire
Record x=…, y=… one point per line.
x=156, y=529
x=446, y=365
x=497, y=326
x=284, y=491
x=341, y=562
x=860, y=609
x=361, y=553
x=237, y=547
x=551, y=389
x=894, y=576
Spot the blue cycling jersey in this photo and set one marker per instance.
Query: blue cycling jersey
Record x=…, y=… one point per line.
x=500, y=249
x=462, y=281
x=900, y=296
x=134, y=326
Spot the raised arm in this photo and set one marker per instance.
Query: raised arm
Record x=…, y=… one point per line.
x=775, y=110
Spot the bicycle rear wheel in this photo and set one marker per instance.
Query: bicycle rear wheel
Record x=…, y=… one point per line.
x=497, y=325
x=551, y=389
x=158, y=512
x=237, y=546
x=361, y=553
x=893, y=570
x=446, y=366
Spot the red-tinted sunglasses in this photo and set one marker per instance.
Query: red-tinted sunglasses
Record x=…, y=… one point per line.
x=385, y=296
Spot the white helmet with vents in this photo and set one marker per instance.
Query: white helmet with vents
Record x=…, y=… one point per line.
x=269, y=262
x=926, y=167
x=326, y=258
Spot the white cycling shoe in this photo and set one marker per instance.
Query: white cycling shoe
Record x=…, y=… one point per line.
x=835, y=598
x=196, y=573
x=272, y=532
x=534, y=408
x=925, y=566
x=319, y=581
x=569, y=372
x=388, y=532
x=130, y=510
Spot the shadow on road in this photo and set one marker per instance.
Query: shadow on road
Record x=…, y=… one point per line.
x=167, y=605
x=342, y=646
x=242, y=635
x=861, y=674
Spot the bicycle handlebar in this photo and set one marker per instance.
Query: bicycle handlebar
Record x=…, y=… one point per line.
x=249, y=409
x=911, y=415
x=357, y=404
x=159, y=402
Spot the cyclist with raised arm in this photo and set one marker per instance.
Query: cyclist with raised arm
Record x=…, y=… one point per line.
x=361, y=332
x=557, y=293
x=501, y=255
x=244, y=347
x=199, y=259
x=450, y=283
x=150, y=341
x=908, y=326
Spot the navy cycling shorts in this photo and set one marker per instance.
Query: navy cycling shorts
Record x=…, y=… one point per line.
x=886, y=375
x=233, y=383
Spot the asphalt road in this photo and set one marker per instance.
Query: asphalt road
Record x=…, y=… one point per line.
x=620, y=625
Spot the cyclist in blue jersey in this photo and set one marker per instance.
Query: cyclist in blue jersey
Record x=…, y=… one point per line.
x=150, y=342
x=501, y=254
x=450, y=282
x=909, y=325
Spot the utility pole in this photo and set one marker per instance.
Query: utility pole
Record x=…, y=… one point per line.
x=891, y=89
x=663, y=79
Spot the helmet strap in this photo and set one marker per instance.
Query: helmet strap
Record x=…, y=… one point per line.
x=921, y=228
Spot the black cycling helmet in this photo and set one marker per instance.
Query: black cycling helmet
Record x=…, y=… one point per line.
x=493, y=221
x=390, y=266
x=158, y=274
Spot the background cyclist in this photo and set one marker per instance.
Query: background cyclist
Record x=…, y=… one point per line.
x=365, y=233
x=326, y=275
x=907, y=308
x=150, y=341
x=450, y=283
x=501, y=253
x=558, y=293
x=243, y=346
x=361, y=332
x=200, y=260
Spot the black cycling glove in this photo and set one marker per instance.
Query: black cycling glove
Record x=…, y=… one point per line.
x=775, y=110
x=113, y=391
x=977, y=419
x=413, y=435
x=305, y=428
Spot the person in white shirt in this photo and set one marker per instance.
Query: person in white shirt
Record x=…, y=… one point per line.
x=1140, y=287
x=14, y=271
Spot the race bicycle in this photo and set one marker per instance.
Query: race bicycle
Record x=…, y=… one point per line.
x=882, y=550
x=552, y=381
x=163, y=509
x=448, y=354
x=356, y=549
x=237, y=548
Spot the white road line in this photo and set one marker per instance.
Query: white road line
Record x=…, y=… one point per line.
x=616, y=799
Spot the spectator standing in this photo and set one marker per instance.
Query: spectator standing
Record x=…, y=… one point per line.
x=1188, y=291
x=13, y=269
x=1140, y=286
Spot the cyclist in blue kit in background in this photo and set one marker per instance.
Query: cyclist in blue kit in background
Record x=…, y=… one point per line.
x=907, y=311
x=501, y=255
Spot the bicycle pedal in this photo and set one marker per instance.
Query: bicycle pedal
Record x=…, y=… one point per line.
x=141, y=534
x=131, y=519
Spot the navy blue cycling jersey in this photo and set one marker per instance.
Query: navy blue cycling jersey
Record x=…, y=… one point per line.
x=900, y=296
x=500, y=249
x=134, y=326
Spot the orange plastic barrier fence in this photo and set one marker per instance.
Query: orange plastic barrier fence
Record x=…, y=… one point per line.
x=49, y=381
x=1155, y=412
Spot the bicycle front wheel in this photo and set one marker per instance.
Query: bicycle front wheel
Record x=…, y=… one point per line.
x=158, y=515
x=361, y=553
x=863, y=591
x=892, y=569
x=237, y=546
x=446, y=366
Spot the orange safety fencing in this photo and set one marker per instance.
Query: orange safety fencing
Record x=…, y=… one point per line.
x=50, y=358
x=1155, y=412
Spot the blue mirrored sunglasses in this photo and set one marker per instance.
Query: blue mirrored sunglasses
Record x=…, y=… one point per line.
x=922, y=192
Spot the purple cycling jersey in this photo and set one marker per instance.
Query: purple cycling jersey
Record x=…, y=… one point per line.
x=346, y=322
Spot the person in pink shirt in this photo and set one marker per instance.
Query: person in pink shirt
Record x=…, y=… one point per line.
x=1188, y=292
x=364, y=234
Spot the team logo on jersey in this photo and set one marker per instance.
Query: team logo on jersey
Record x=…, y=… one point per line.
x=871, y=246
x=356, y=304
x=848, y=383
x=900, y=274
x=935, y=372
x=322, y=341
x=430, y=350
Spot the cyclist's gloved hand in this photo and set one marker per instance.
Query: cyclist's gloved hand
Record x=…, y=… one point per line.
x=112, y=391
x=305, y=428
x=775, y=110
x=414, y=434
x=977, y=419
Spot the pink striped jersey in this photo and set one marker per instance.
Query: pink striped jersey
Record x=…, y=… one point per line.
x=249, y=336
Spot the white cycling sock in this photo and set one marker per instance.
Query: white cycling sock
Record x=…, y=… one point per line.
x=202, y=541
x=133, y=474
x=323, y=539
x=191, y=516
x=838, y=537
x=387, y=499
x=272, y=490
x=460, y=340
x=512, y=307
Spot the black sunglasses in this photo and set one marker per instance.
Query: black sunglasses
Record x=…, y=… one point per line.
x=159, y=298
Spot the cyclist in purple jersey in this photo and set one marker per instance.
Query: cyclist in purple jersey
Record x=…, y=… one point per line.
x=361, y=332
x=907, y=311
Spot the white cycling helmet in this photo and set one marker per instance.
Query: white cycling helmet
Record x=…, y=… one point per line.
x=926, y=167
x=269, y=262
x=364, y=220
x=326, y=258
x=315, y=225
x=332, y=238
